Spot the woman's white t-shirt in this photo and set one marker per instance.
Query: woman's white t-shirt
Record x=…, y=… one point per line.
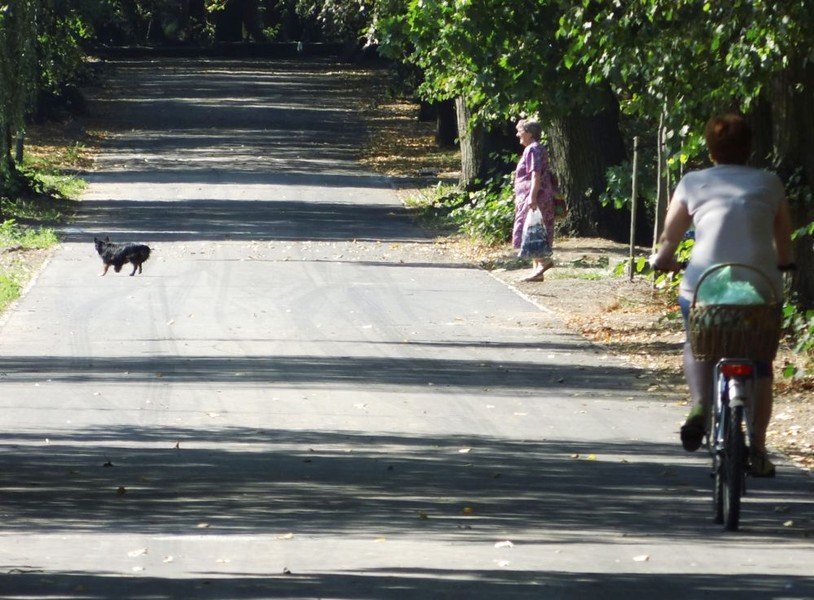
x=733, y=208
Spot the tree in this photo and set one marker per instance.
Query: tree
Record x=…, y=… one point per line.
x=18, y=73
x=501, y=60
x=686, y=59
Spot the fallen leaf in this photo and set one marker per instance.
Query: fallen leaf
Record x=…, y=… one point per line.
x=121, y=490
x=464, y=450
x=139, y=552
x=642, y=558
x=138, y=569
x=286, y=536
x=591, y=457
x=788, y=524
x=502, y=563
x=202, y=526
x=504, y=544
x=423, y=515
x=168, y=559
x=468, y=510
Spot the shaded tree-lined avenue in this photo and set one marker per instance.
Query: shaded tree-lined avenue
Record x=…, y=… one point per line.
x=302, y=396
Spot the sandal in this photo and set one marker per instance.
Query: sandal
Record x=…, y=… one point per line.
x=692, y=432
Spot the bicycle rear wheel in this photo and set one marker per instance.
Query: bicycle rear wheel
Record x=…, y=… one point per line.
x=718, y=488
x=732, y=471
x=717, y=462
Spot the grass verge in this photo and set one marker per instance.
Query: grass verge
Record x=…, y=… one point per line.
x=55, y=155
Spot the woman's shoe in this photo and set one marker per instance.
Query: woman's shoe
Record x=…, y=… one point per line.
x=760, y=465
x=536, y=276
x=692, y=432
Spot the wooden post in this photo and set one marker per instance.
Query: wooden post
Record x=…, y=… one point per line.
x=659, y=212
x=633, y=195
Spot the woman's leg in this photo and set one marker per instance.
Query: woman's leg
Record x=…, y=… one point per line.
x=698, y=374
x=763, y=411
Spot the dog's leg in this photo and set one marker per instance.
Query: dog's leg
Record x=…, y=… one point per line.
x=133, y=272
x=105, y=271
x=139, y=268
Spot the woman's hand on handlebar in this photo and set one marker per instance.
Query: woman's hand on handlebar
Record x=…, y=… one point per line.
x=661, y=263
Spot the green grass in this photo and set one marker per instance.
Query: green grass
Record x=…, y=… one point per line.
x=10, y=290
x=14, y=240
x=20, y=237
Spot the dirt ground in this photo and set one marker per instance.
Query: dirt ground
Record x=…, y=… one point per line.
x=627, y=318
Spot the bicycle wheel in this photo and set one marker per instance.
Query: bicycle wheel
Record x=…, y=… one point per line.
x=718, y=465
x=718, y=489
x=733, y=459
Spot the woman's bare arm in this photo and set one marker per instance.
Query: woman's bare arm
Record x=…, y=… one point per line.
x=535, y=189
x=676, y=223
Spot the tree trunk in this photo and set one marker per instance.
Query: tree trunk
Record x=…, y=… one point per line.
x=471, y=141
x=446, y=126
x=784, y=141
x=252, y=22
x=582, y=149
x=19, y=148
x=229, y=23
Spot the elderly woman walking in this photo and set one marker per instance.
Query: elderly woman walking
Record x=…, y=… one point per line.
x=533, y=189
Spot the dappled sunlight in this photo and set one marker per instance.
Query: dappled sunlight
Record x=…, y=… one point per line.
x=263, y=481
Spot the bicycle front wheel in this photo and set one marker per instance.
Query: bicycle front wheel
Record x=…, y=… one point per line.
x=733, y=460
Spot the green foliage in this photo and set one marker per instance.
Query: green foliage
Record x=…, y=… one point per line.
x=799, y=327
x=14, y=235
x=662, y=280
x=685, y=58
x=61, y=30
x=10, y=290
x=485, y=215
x=488, y=214
x=501, y=57
x=339, y=20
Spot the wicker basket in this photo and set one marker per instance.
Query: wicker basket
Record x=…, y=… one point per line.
x=735, y=331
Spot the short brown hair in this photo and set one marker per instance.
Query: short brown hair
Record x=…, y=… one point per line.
x=729, y=139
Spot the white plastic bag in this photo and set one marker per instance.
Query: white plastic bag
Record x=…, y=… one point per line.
x=534, y=243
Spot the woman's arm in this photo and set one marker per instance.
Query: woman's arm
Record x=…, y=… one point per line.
x=782, y=234
x=535, y=189
x=676, y=223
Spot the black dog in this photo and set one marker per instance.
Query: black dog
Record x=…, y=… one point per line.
x=118, y=254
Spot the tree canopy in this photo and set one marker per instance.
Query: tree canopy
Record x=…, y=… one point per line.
x=594, y=71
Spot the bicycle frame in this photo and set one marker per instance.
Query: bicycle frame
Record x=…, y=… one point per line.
x=734, y=383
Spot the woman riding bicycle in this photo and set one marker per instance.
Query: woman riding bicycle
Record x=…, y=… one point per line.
x=741, y=215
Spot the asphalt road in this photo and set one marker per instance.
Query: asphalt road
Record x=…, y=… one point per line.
x=302, y=396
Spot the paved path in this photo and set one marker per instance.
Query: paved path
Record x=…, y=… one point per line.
x=303, y=397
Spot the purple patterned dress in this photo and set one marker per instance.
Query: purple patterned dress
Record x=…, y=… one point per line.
x=535, y=158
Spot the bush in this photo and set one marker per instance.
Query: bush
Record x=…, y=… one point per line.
x=485, y=215
x=798, y=326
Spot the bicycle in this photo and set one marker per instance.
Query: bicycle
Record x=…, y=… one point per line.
x=735, y=337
